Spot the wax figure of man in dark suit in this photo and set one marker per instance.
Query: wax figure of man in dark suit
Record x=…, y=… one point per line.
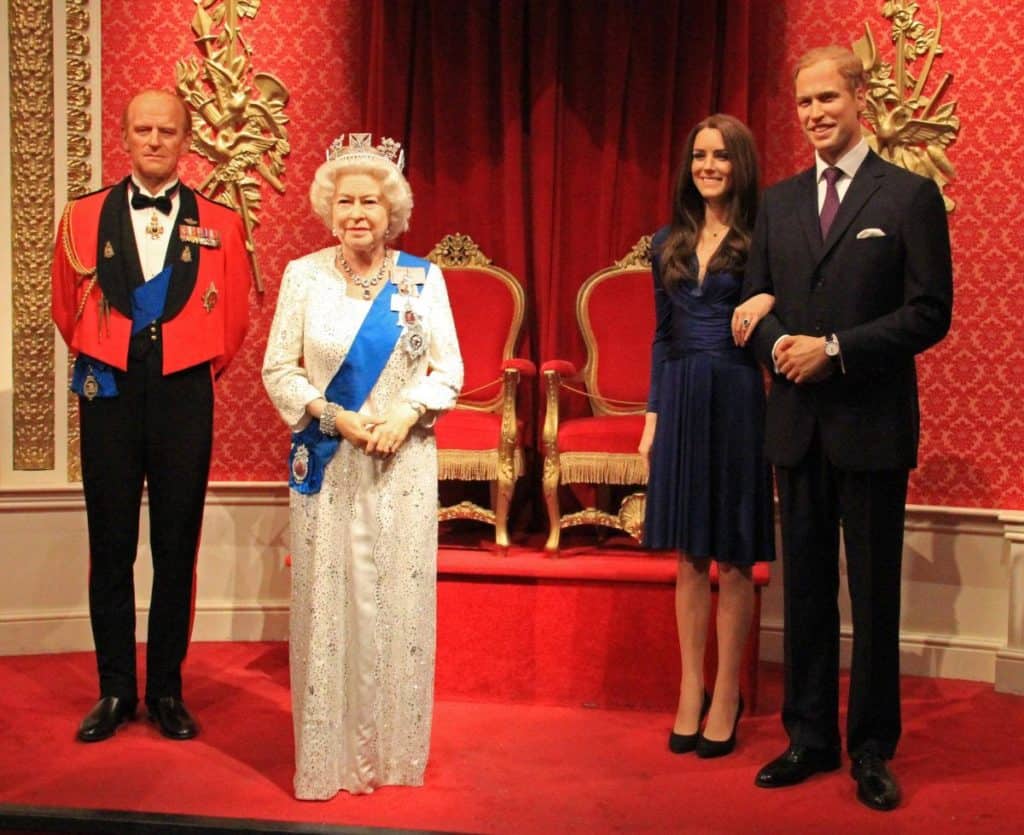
x=853, y=306
x=150, y=292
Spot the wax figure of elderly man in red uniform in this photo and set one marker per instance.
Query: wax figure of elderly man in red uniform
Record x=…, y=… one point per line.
x=150, y=292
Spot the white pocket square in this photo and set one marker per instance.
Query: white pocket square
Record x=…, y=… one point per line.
x=870, y=232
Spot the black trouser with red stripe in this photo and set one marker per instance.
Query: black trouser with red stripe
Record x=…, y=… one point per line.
x=158, y=430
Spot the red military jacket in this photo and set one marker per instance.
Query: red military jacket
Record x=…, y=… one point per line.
x=95, y=267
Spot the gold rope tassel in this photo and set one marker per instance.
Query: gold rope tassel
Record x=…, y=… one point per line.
x=601, y=468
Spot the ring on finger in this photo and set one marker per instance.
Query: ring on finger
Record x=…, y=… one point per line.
x=746, y=322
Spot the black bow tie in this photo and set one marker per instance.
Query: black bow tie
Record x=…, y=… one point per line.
x=161, y=204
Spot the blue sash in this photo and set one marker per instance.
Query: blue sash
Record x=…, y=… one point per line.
x=370, y=351
x=92, y=378
x=148, y=300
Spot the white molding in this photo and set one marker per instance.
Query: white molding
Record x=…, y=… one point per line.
x=931, y=656
x=70, y=497
x=50, y=632
x=958, y=616
x=1009, y=666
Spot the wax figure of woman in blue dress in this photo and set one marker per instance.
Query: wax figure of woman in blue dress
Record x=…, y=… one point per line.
x=709, y=493
x=361, y=359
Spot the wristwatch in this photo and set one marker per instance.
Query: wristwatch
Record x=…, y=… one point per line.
x=833, y=353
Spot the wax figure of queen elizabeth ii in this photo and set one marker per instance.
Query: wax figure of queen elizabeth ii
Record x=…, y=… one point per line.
x=361, y=358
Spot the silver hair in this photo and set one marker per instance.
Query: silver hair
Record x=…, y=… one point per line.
x=394, y=187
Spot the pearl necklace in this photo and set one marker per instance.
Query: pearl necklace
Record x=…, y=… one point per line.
x=358, y=280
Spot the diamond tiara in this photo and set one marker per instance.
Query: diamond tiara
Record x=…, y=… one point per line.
x=361, y=145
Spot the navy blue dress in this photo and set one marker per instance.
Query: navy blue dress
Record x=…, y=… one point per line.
x=709, y=492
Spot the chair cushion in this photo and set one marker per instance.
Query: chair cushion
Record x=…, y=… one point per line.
x=465, y=429
x=608, y=433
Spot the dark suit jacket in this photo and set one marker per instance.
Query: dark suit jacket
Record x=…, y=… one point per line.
x=886, y=296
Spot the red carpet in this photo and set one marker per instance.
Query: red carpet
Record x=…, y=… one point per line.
x=497, y=768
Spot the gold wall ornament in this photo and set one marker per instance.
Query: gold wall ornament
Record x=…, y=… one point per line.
x=238, y=115
x=78, y=72
x=30, y=40
x=909, y=126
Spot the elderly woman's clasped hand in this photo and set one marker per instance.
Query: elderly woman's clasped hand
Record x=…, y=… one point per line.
x=387, y=434
x=378, y=436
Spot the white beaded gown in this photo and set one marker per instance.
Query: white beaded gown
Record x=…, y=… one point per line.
x=364, y=549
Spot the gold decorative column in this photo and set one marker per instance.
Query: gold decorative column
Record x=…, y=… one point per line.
x=79, y=166
x=30, y=36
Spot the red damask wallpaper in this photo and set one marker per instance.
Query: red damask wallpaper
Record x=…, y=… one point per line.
x=971, y=383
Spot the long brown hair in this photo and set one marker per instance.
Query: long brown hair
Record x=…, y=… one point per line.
x=688, y=206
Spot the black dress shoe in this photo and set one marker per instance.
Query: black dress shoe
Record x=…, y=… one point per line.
x=684, y=743
x=710, y=748
x=106, y=716
x=876, y=787
x=796, y=765
x=173, y=718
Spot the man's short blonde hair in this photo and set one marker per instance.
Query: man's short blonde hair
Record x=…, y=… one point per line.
x=849, y=65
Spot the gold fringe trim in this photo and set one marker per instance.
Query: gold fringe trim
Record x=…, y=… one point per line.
x=601, y=468
x=473, y=465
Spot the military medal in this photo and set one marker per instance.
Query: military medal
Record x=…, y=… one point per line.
x=154, y=229
x=108, y=250
x=91, y=386
x=414, y=341
x=201, y=235
x=300, y=464
x=210, y=297
x=186, y=255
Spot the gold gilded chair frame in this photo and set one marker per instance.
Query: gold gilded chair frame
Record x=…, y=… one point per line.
x=601, y=468
x=504, y=465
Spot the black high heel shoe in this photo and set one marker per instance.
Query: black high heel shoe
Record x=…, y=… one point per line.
x=684, y=743
x=709, y=748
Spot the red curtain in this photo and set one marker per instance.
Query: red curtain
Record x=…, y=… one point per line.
x=550, y=131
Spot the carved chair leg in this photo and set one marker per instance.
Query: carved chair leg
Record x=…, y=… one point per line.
x=551, y=503
x=501, y=497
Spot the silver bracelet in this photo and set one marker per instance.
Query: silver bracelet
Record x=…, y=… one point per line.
x=328, y=421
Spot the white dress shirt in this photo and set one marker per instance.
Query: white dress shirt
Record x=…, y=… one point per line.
x=153, y=251
x=848, y=163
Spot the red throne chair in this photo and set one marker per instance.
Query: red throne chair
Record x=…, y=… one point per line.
x=615, y=311
x=481, y=439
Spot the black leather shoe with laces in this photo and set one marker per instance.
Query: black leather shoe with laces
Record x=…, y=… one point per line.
x=796, y=765
x=173, y=718
x=876, y=787
x=106, y=716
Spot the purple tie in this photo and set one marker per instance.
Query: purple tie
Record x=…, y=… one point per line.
x=831, y=205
